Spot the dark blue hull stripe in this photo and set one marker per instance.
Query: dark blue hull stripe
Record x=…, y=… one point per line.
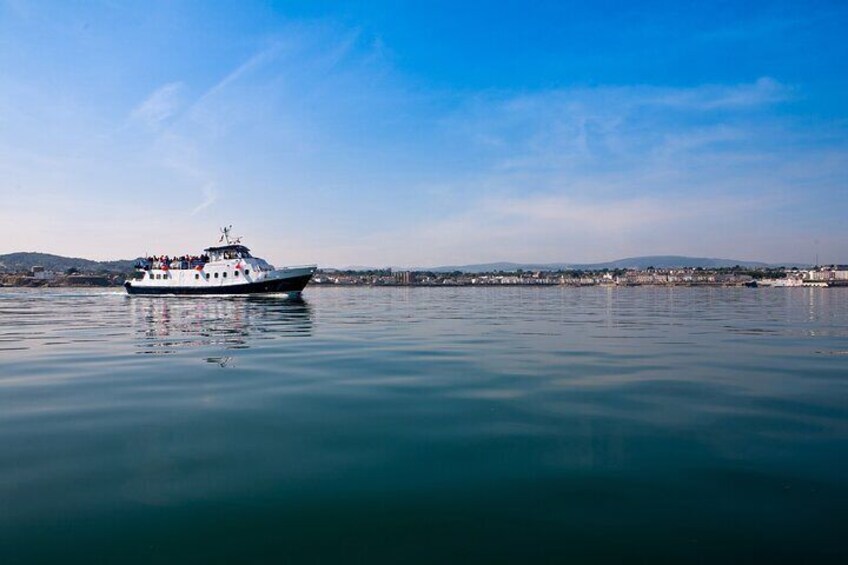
x=293, y=284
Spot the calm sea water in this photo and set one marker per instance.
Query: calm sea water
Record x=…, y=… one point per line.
x=425, y=425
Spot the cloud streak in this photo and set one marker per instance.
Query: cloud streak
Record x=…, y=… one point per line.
x=716, y=97
x=162, y=104
x=210, y=196
x=255, y=61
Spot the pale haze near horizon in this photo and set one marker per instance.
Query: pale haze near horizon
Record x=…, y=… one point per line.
x=425, y=134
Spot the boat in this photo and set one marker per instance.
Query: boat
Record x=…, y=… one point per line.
x=787, y=282
x=223, y=269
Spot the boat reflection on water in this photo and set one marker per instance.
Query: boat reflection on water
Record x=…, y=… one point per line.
x=169, y=324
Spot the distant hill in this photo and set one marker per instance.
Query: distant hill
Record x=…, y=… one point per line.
x=669, y=261
x=658, y=261
x=24, y=261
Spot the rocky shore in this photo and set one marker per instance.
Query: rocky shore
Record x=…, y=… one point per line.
x=75, y=280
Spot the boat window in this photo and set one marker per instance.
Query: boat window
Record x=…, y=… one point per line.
x=235, y=274
x=158, y=276
x=216, y=275
x=224, y=275
x=207, y=276
x=196, y=276
x=246, y=272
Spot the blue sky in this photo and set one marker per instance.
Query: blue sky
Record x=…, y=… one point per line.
x=426, y=133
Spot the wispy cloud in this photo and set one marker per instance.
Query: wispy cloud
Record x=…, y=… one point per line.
x=179, y=146
x=588, y=173
x=609, y=216
x=764, y=91
x=255, y=61
x=210, y=196
x=549, y=229
x=161, y=105
x=586, y=130
x=408, y=160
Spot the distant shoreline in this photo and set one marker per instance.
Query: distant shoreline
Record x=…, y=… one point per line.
x=312, y=287
x=736, y=276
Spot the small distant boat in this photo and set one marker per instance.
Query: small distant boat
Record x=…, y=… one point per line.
x=223, y=269
x=787, y=282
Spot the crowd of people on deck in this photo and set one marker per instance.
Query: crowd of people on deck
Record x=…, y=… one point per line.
x=166, y=262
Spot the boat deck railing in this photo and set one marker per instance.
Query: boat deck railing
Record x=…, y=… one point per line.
x=293, y=267
x=172, y=265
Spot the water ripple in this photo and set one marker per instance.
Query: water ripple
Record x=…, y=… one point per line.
x=566, y=417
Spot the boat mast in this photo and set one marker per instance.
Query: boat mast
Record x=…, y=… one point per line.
x=225, y=236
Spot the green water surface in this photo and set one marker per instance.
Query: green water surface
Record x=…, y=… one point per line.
x=438, y=425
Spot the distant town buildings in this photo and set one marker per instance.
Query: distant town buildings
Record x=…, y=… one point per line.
x=737, y=276
x=405, y=278
x=835, y=275
x=38, y=273
x=830, y=276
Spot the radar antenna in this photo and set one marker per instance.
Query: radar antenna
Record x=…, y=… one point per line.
x=225, y=236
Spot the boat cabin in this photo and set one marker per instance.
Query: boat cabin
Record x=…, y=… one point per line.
x=225, y=252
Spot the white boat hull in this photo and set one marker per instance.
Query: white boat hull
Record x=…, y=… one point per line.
x=290, y=280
